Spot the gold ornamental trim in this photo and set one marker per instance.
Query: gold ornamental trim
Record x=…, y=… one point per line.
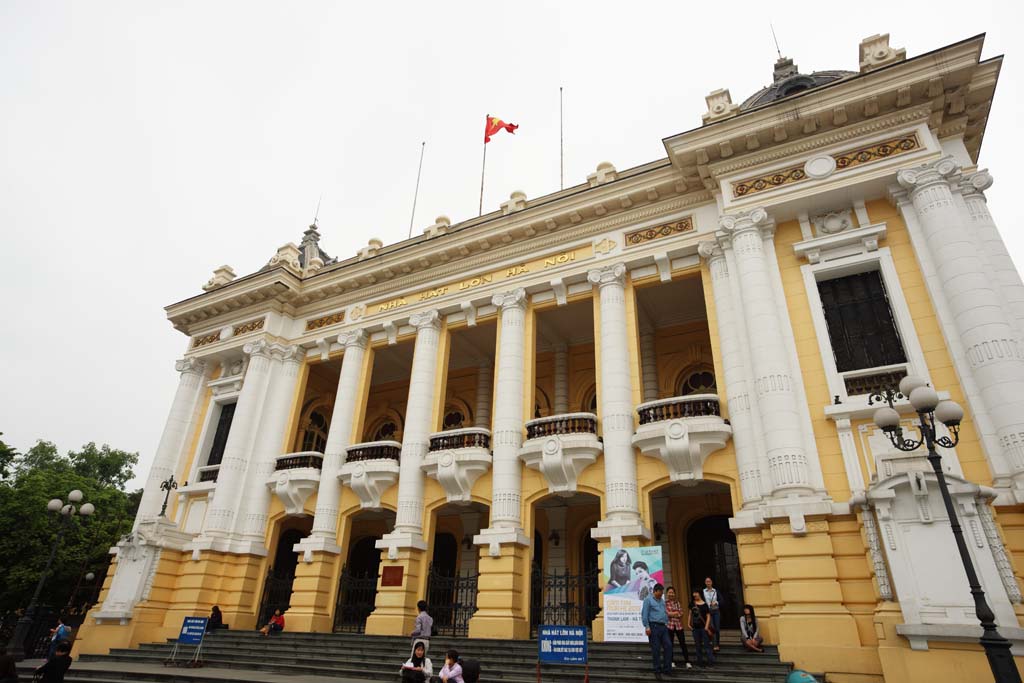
x=205, y=339
x=856, y=157
x=636, y=237
x=325, y=321
x=250, y=326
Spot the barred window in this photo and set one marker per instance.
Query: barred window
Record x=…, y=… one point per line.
x=860, y=322
x=315, y=436
x=220, y=437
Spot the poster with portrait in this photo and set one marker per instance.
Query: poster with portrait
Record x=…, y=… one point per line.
x=629, y=576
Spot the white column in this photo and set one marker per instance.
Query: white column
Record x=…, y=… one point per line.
x=990, y=342
x=220, y=520
x=484, y=382
x=773, y=377
x=180, y=423
x=561, y=364
x=419, y=412
x=1005, y=276
x=556, y=553
x=339, y=437
x=506, y=499
x=284, y=375
x=622, y=505
x=737, y=391
x=648, y=363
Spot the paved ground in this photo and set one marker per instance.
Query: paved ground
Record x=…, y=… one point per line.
x=204, y=672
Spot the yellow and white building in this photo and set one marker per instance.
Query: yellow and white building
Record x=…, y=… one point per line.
x=678, y=354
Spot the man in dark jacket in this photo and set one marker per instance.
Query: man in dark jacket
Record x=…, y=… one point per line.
x=54, y=669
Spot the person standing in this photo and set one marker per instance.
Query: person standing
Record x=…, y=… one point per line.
x=56, y=666
x=713, y=601
x=58, y=634
x=654, y=616
x=699, y=623
x=675, y=623
x=424, y=626
x=748, y=630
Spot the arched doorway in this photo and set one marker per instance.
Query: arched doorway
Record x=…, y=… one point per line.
x=711, y=551
x=441, y=582
x=277, y=588
x=357, y=585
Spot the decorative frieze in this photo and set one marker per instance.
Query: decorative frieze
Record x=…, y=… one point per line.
x=250, y=326
x=325, y=321
x=843, y=160
x=205, y=339
x=636, y=237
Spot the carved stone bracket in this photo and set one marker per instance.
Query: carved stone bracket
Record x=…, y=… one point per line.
x=682, y=443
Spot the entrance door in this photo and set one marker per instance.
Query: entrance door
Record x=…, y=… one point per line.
x=591, y=571
x=277, y=589
x=357, y=588
x=451, y=594
x=711, y=551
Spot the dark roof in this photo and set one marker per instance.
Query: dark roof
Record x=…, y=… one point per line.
x=787, y=80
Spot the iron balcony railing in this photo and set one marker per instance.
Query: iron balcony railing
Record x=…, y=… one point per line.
x=208, y=474
x=473, y=437
x=695, y=405
x=568, y=423
x=294, y=461
x=374, y=450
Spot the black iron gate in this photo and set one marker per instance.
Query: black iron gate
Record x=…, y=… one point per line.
x=277, y=595
x=564, y=598
x=357, y=595
x=452, y=600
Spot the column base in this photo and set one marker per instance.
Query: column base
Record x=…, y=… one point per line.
x=316, y=544
x=397, y=541
x=395, y=611
x=228, y=545
x=503, y=595
x=615, y=531
x=313, y=593
x=795, y=509
x=495, y=537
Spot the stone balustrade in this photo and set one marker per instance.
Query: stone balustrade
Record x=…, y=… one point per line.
x=561, y=447
x=208, y=474
x=455, y=439
x=568, y=423
x=374, y=450
x=682, y=432
x=295, y=461
x=695, y=405
x=456, y=459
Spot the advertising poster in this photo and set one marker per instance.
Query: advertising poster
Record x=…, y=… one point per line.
x=629, y=576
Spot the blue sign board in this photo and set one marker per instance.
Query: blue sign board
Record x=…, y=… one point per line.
x=562, y=644
x=192, y=630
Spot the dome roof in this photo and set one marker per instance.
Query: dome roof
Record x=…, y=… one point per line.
x=789, y=81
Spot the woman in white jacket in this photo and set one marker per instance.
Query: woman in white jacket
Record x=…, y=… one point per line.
x=417, y=668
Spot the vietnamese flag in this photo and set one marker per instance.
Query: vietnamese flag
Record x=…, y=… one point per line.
x=495, y=125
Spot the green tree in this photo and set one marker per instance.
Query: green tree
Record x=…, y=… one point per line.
x=7, y=456
x=39, y=475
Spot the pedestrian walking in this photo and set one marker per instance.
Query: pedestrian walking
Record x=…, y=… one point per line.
x=418, y=667
x=655, y=619
x=748, y=630
x=55, y=667
x=58, y=634
x=713, y=600
x=699, y=623
x=676, y=629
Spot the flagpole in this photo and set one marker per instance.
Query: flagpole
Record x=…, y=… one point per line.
x=483, y=168
x=416, y=194
x=561, y=142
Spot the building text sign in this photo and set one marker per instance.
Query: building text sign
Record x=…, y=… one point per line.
x=562, y=644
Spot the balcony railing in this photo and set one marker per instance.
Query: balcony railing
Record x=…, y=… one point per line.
x=695, y=405
x=569, y=423
x=208, y=474
x=460, y=438
x=374, y=450
x=295, y=461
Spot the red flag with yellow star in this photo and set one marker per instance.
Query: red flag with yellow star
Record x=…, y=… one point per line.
x=495, y=125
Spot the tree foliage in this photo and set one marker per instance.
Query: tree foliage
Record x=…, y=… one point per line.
x=34, y=478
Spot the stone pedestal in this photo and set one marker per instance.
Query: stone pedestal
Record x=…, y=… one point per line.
x=395, y=611
x=503, y=597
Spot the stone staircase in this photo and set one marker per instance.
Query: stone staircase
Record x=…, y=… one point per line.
x=251, y=658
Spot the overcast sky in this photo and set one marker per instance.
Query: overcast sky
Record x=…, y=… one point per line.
x=143, y=144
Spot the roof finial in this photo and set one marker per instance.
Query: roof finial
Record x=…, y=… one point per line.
x=775, y=39
x=317, y=214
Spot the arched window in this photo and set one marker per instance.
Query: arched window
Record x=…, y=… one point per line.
x=453, y=418
x=315, y=436
x=589, y=402
x=696, y=381
x=386, y=431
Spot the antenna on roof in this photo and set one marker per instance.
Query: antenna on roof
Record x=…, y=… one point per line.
x=317, y=214
x=775, y=39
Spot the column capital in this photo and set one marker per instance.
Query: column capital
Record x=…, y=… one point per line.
x=194, y=366
x=614, y=274
x=515, y=298
x=260, y=347
x=753, y=219
x=973, y=185
x=292, y=353
x=943, y=171
x=425, y=319
x=710, y=250
x=354, y=338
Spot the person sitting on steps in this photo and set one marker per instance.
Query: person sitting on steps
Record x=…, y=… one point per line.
x=452, y=670
x=748, y=630
x=275, y=625
x=418, y=667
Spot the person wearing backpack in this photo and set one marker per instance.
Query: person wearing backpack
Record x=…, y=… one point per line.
x=58, y=634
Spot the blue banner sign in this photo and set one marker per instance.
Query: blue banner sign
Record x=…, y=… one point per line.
x=192, y=630
x=562, y=644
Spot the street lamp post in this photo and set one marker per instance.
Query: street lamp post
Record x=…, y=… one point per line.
x=930, y=411
x=168, y=485
x=68, y=510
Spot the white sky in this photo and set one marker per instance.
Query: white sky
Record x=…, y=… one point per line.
x=143, y=144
